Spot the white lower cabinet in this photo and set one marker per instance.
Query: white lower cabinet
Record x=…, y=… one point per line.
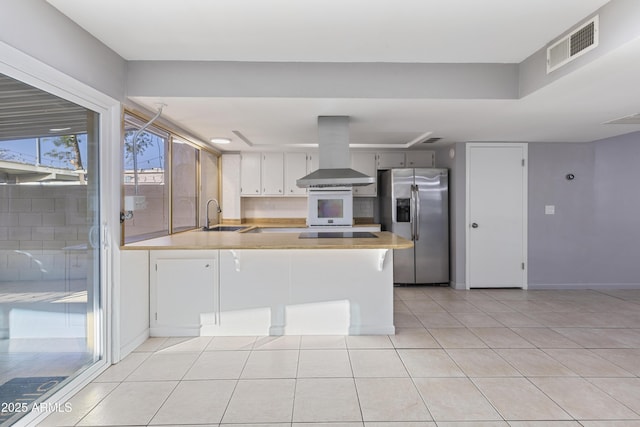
x=183, y=291
x=253, y=293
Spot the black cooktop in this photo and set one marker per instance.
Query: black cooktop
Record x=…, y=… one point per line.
x=337, y=235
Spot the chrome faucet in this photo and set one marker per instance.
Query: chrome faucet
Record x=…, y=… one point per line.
x=206, y=225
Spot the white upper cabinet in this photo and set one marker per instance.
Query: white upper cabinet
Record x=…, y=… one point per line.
x=295, y=167
x=406, y=159
x=391, y=159
x=272, y=174
x=313, y=162
x=366, y=163
x=420, y=159
x=276, y=173
x=250, y=174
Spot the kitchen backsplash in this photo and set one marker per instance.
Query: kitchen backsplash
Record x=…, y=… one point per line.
x=296, y=207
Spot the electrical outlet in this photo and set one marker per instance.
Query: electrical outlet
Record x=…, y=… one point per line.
x=134, y=203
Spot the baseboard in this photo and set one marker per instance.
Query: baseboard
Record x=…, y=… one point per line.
x=583, y=286
x=458, y=286
x=372, y=330
x=277, y=330
x=171, y=331
x=133, y=344
x=564, y=286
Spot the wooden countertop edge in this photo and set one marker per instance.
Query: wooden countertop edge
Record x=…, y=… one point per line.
x=255, y=247
x=273, y=241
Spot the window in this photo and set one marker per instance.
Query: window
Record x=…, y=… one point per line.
x=146, y=192
x=209, y=187
x=164, y=194
x=184, y=173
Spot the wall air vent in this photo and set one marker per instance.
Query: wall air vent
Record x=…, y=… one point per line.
x=578, y=42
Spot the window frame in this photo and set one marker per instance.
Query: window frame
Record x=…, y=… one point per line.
x=173, y=134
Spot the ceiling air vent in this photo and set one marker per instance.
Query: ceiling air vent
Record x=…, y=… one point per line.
x=576, y=43
x=431, y=140
x=633, y=119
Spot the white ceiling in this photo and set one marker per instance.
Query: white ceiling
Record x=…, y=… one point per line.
x=417, y=31
x=429, y=31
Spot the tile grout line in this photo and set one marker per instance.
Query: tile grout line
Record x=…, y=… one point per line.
x=235, y=386
x=178, y=382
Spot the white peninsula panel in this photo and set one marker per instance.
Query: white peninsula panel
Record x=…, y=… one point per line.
x=132, y=296
x=341, y=292
x=254, y=285
x=304, y=292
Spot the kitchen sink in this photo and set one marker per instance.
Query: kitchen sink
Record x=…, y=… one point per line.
x=224, y=228
x=277, y=230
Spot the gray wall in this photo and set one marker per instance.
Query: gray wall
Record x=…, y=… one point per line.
x=39, y=30
x=560, y=244
x=593, y=239
x=616, y=236
x=457, y=204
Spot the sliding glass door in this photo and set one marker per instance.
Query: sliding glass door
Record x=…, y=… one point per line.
x=50, y=245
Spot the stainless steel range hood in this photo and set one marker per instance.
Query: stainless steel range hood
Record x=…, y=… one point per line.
x=333, y=146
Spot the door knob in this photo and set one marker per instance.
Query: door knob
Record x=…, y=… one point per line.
x=474, y=225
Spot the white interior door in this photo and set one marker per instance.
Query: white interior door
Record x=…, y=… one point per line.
x=496, y=215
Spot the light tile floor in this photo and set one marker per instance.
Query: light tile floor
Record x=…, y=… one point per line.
x=481, y=358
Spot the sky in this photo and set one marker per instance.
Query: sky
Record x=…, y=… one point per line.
x=24, y=151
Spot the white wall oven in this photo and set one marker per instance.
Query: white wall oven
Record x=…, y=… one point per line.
x=330, y=206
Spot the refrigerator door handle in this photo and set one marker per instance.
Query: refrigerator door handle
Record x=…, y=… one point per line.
x=412, y=207
x=414, y=213
x=416, y=191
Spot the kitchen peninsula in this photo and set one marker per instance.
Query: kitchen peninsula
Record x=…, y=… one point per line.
x=275, y=283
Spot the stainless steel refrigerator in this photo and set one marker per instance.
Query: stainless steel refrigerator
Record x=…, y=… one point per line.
x=414, y=203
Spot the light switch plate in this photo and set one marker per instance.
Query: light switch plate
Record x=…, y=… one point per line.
x=550, y=210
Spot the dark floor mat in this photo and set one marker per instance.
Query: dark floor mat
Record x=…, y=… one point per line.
x=19, y=391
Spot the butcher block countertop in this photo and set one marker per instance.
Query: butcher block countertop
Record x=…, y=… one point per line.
x=198, y=239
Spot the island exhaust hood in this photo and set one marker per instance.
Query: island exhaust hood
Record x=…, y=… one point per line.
x=333, y=146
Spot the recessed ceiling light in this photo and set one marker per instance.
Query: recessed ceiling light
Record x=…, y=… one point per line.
x=58, y=129
x=220, y=140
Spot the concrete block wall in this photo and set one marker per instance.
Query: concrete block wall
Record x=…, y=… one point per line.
x=155, y=216
x=43, y=232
